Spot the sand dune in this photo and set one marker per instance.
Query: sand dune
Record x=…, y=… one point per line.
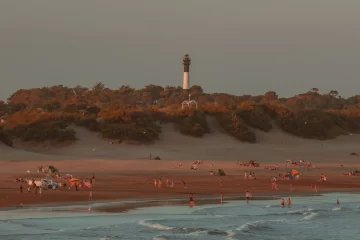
x=274, y=146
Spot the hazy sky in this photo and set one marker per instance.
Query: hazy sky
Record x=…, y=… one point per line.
x=236, y=46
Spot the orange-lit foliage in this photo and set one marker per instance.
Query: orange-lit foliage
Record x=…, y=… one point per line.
x=128, y=113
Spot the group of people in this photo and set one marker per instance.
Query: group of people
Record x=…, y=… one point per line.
x=159, y=184
x=301, y=163
x=250, y=175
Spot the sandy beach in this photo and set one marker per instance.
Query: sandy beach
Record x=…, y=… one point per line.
x=124, y=172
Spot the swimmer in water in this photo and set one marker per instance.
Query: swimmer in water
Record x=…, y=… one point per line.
x=247, y=196
x=288, y=202
x=337, y=202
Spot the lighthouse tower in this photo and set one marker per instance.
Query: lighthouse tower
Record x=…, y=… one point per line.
x=186, y=62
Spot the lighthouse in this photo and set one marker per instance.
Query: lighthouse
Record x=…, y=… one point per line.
x=186, y=62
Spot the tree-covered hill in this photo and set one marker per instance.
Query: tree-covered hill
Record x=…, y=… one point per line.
x=130, y=115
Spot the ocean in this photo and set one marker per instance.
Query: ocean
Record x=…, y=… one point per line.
x=313, y=217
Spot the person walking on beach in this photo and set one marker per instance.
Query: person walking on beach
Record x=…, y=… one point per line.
x=40, y=191
x=155, y=182
x=184, y=183
x=36, y=189
x=90, y=195
x=191, y=200
x=247, y=196
x=21, y=188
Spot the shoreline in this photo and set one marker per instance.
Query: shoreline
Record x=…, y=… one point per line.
x=129, y=205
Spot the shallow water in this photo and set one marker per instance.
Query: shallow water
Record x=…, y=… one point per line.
x=308, y=218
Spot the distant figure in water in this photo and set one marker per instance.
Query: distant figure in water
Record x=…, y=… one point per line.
x=282, y=202
x=337, y=202
x=191, y=200
x=288, y=202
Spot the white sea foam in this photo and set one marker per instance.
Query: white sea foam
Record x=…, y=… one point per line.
x=155, y=225
x=309, y=216
x=246, y=227
x=230, y=234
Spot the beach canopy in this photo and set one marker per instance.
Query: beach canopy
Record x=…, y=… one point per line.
x=294, y=172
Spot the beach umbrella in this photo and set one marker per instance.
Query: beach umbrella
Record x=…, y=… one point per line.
x=294, y=172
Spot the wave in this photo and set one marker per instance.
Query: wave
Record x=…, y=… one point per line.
x=159, y=238
x=309, y=216
x=257, y=225
x=155, y=225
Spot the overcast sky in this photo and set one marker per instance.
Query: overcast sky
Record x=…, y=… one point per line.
x=236, y=46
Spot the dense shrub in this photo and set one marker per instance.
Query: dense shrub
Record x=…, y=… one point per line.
x=236, y=127
x=130, y=124
x=313, y=124
x=256, y=118
x=89, y=123
x=5, y=137
x=40, y=131
x=194, y=124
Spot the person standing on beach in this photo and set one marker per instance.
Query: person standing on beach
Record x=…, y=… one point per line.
x=221, y=198
x=21, y=188
x=160, y=183
x=221, y=182
x=247, y=196
x=155, y=182
x=36, y=189
x=93, y=179
x=90, y=195
x=40, y=191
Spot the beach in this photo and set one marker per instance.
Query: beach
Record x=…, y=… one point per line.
x=129, y=180
x=126, y=204
x=125, y=172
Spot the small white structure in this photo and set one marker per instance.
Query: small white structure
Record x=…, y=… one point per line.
x=189, y=103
